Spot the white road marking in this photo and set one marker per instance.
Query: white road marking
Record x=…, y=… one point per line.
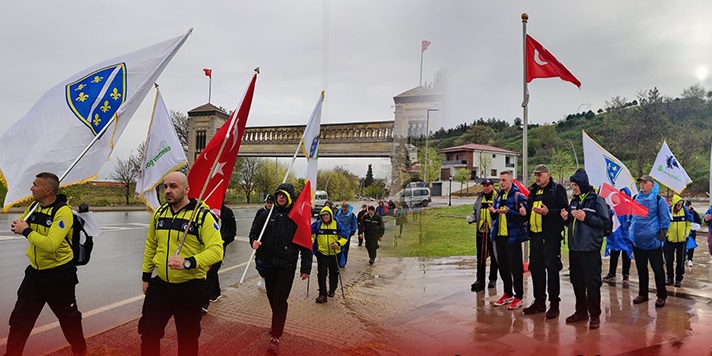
x=50, y=326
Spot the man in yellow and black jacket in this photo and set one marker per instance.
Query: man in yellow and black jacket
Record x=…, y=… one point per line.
x=329, y=236
x=178, y=289
x=676, y=245
x=51, y=276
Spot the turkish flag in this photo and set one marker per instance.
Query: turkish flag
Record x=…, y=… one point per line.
x=231, y=130
x=208, y=72
x=621, y=203
x=301, y=215
x=542, y=64
x=521, y=187
x=425, y=44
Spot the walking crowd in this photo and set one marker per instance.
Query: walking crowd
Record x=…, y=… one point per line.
x=663, y=239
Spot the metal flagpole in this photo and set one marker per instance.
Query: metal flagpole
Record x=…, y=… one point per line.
x=420, y=83
x=210, y=86
x=525, y=122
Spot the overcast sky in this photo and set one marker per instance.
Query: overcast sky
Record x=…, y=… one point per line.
x=365, y=53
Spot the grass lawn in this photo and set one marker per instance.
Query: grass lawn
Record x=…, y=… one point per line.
x=440, y=232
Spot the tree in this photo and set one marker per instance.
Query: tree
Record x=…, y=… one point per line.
x=268, y=176
x=561, y=162
x=484, y=164
x=433, y=166
x=180, y=122
x=125, y=172
x=481, y=134
x=369, y=177
x=462, y=175
x=244, y=174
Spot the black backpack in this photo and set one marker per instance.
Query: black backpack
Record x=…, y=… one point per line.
x=608, y=224
x=82, y=243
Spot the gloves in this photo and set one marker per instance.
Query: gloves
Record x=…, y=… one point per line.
x=662, y=234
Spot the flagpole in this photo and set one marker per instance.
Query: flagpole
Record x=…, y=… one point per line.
x=420, y=83
x=525, y=122
x=210, y=86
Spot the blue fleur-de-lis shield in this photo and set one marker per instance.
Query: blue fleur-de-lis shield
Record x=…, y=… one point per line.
x=613, y=169
x=95, y=97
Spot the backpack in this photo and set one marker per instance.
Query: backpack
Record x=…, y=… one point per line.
x=608, y=224
x=81, y=242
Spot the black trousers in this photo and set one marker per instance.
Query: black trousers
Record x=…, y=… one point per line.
x=655, y=257
x=675, y=251
x=545, y=260
x=278, y=283
x=509, y=263
x=183, y=302
x=613, y=264
x=371, y=246
x=212, y=281
x=485, y=249
x=691, y=252
x=326, y=265
x=586, y=280
x=56, y=288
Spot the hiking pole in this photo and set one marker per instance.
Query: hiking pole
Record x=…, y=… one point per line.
x=308, y=280
x=338, y=274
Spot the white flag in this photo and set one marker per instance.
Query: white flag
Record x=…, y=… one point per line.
x=68, y=117
x=310, y=143
x=603, y=167
x=668, y=171
x=163, y=154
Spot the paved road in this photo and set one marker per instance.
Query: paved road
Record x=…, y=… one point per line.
x=109, y=292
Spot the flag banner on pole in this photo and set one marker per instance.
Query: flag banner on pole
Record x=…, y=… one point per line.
x=68, y=117
x=163, y=154
x=521, y=187
x=621, y=203
x=425, y=44
x=603, y=167
x=218, y=182
x=301, y=215
x=542, y=64
x=310, y=143
x=668, y=171
x=208, y=72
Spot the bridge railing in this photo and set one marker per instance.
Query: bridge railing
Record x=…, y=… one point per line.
x=379, y=131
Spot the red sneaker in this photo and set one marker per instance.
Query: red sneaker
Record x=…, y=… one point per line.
x=504, y=300
x=516, y=303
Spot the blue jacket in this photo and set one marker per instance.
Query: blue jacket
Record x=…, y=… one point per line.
x=348, y=220
x=516, y=228
x=644, y=230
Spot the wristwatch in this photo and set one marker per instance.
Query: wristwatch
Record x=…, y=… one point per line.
x=186, y=263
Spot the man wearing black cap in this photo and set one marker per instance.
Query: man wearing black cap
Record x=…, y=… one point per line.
x=546, y=200
x=648, y=234
x=482, y=218
x=587, y=217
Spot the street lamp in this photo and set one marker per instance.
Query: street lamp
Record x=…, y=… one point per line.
x=427, y=134
x=449, y=194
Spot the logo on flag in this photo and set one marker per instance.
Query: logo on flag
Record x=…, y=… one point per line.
x=613, y=169
x=314, y=148
x=668, y=171
x=95, y=97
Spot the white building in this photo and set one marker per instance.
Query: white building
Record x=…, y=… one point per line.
x=482, y=161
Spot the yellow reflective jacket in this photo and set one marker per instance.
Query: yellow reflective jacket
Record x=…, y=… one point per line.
x=203, y=243
x=680, y=223
x=326, y=234
x=49, y=239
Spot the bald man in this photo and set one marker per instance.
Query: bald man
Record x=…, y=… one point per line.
x=179, y=285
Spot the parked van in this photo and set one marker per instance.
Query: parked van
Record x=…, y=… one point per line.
x=320, y=198
x=412, y=196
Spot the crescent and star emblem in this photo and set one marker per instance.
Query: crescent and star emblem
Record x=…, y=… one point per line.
x=538, y=59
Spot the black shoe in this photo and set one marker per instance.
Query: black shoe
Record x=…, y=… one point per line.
x=678, y=284
x=553, y=311
x=204, y=308
x=659, y=303
x=332, y=293
x=273, y=346
x=370, y=262
x=595, y=323
x=640, y=299
x=492, y=284
x=478, y=286
x=668, y=282
x=576, y=317
x=321, y=299
x=536, y=307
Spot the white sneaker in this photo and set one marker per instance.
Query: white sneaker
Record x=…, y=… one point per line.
x=689, y=263
x=261, y=284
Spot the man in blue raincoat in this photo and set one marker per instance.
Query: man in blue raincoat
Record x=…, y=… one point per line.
x=618, y=242
x=648, y=234
x=349, y=221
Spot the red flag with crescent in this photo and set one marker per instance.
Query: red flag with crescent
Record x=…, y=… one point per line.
x=542, y=64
